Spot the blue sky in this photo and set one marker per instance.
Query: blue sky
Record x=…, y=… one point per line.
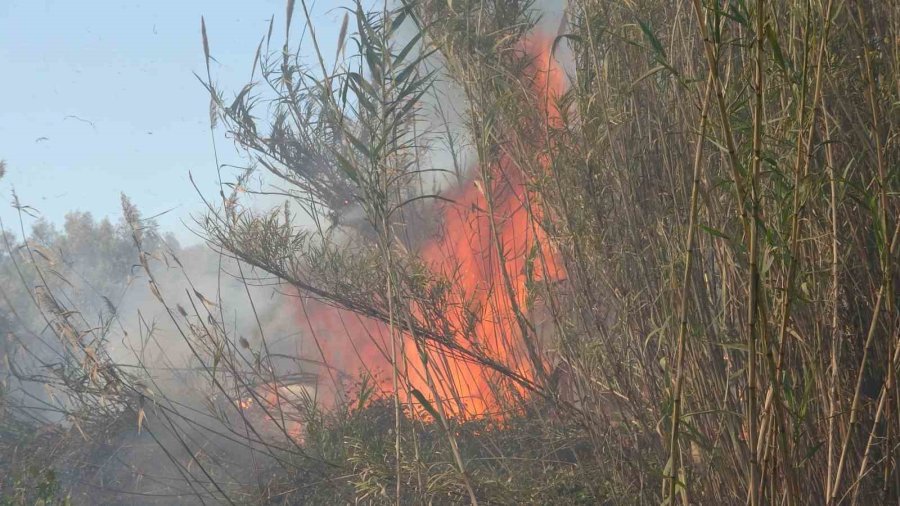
x=127, y=68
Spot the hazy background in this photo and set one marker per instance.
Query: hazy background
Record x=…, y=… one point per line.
x=99, y=98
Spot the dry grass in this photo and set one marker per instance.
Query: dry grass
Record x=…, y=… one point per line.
x=719, y=182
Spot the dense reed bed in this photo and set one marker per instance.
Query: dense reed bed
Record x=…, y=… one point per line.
x=643, y=252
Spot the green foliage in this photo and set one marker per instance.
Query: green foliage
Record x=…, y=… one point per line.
x=34, y=486
x=717, y=179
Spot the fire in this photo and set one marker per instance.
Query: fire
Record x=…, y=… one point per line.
x=278, y=406
x=494, y=250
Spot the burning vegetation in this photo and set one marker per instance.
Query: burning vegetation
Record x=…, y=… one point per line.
x=646, y=255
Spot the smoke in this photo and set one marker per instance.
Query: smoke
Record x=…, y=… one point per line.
x=226, y=356
x=163, y=338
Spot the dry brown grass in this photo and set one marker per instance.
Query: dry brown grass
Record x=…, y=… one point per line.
x=720, y=185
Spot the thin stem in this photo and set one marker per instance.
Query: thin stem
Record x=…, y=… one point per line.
x=685, y=287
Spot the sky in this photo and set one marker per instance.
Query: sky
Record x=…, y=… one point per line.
x=99, y=98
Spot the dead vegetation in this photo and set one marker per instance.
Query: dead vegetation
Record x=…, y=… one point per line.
x=668, y=274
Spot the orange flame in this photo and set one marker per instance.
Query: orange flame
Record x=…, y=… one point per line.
x=494, y=250
x=276, y=407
